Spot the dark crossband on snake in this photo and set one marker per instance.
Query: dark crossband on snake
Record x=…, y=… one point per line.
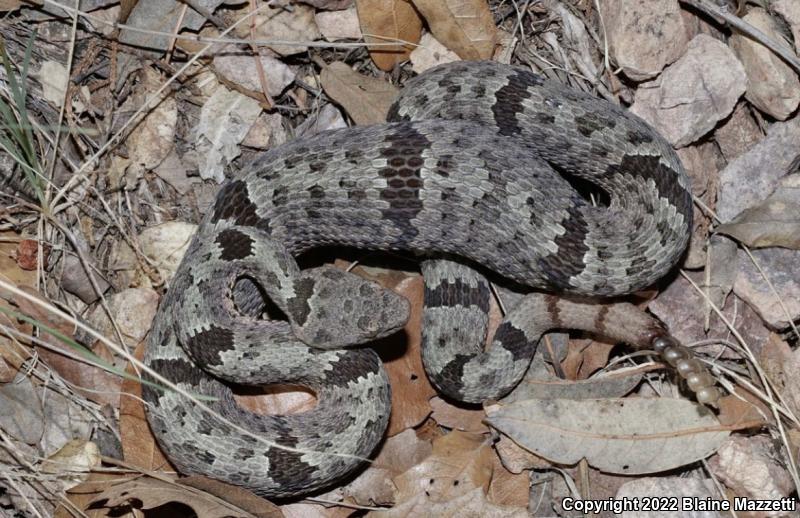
x=470, y=174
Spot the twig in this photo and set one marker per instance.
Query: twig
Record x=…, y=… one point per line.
x=387, y=42
x=262, y=75
x=745, y=28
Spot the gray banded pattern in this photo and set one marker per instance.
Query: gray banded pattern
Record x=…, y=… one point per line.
x=476, y=165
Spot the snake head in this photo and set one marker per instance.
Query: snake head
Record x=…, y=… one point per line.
x=334, y=309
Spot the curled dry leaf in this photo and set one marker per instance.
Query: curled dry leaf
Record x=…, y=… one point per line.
x=365, y=99
x=387, y=21
x=411, y=390
x=507, y=487
x=214, y=500
x=516, y=459
x=73, y=462
x=625, y=436
x=450, y=416
x=464, y=26
x=452, y=481
x=540, y=383
x=774, y=222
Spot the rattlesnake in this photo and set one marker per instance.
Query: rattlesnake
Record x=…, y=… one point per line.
x=475, y=166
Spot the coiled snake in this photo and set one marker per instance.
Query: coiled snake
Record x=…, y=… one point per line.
x=474, y=166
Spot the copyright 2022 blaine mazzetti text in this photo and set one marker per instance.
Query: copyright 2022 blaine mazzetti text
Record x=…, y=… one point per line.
x=676, y=504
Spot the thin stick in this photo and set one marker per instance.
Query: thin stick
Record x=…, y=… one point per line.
x=782, y=51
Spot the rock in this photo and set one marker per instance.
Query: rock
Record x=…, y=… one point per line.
x=752, y=176
x=748, y=466
x=772, y=86
x=644, y=35
x=430, y=53
x=738, y=133
x=133, y=310
x=225, y=119
x=267, y=132
x=702, y=164
x=281, y=24
x=790, y=11
x=327, y=118
x=21, y=414
x=339, y=25
x=780, y=267
x=721, y=273
x=75, y=280
x=693, y=93
x=664, y=488
x=681, y=307
x=241, y=71
x=165, y=244
x=174, y=171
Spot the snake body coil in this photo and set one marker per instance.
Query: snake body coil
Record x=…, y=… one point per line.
x=475, y=165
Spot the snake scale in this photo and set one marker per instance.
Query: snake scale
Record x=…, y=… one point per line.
x=471, y=173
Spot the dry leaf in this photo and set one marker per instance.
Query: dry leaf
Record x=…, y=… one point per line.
x=507, y=488
x=741, y=408
x=625, y=436
x=387, y=21
x=517, y=459
x=451, y=416
x=540, y=383
x=148, y=493
x=452, y=482
x=584, y=357
x=398, y=453
x=464, y=26
x=240, y=497
x=28, y=254
x=411, y=390
x=469, y=505
x=7, y=372
x=459, y=463
x=400, y=353
x=72, y=463
x=55, y=79
x=81, y=496
x=10, y=5
x=139, y=447
x=11, y=273
x=102, y=386
x=365, y=99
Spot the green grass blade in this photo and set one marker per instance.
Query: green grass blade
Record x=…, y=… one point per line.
x=89, y=355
